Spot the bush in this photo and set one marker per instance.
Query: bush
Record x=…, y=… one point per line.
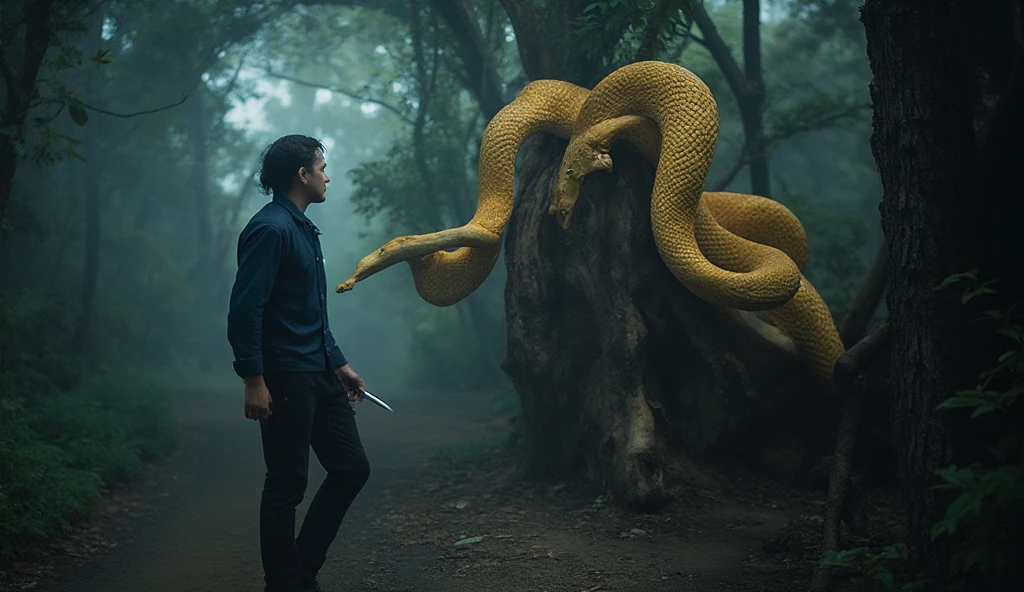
x=40, y=493
x=983, y=521
x=66, y=434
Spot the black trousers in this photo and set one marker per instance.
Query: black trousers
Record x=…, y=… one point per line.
x=307, y=409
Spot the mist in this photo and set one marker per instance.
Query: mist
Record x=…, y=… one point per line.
x=588, y=400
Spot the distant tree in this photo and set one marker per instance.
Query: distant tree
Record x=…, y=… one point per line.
x=36, y=45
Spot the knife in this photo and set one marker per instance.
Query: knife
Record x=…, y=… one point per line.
x=367, y=395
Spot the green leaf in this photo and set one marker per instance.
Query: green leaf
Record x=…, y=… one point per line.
x=74, y=154
x=983, y=410
x=963, y=508
x=78, y=113
x=100, y=57
x=957, y=277
x=898, y=551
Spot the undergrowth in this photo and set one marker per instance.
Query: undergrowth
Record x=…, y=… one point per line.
x=984, y=519
x=68, y=430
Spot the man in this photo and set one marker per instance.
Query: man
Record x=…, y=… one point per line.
x=298, y=384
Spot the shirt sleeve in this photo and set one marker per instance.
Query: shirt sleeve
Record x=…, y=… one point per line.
x=259, y=252
x=337, y=358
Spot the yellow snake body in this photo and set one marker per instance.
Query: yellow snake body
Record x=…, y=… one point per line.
x=443, y=277
x=743, y=252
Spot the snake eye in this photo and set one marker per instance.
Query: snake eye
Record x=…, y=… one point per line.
x=568, y=172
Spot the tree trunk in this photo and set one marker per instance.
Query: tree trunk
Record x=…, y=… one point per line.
x=752, y=101
x=625, y=377
x=747, y=87
x=91, y=264
x=201, y=183
x=20, y=70
x=923, y=143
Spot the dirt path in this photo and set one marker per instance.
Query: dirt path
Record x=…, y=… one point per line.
x=193, y=526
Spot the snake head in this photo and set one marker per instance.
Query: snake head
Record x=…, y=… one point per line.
x=582, y=157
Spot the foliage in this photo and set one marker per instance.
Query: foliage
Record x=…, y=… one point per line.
x=873, y=567
x=988, y=511
x=612, y=32
x=982, y=521
x=52, y=95
x=67, y=432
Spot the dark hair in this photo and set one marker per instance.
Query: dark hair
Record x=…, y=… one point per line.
x=280, y=161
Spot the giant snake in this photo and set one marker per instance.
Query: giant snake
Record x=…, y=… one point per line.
x=742, y=252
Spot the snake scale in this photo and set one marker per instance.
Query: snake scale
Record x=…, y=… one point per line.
x=744, y=252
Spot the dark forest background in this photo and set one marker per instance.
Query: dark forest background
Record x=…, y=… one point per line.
x=130, y=135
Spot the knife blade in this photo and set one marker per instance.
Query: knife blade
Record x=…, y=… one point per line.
x=367, y=395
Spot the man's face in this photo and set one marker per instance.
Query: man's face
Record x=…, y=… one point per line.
x=316, y=180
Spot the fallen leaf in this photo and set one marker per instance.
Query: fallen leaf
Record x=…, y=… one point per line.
x=469, y=540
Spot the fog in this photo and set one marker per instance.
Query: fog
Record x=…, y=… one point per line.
x=135, y=173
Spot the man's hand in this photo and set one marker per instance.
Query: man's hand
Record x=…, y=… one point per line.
x=353, y=384
x=257, y=398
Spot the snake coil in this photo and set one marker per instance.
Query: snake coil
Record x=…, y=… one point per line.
x=742, y=252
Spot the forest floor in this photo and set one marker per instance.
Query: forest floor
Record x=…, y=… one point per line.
x=443, y=511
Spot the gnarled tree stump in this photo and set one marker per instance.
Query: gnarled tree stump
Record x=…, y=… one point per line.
x=627, y=379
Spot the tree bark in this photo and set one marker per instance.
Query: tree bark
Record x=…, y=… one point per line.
x=20, y=70
x=91, y=264
x=627, y=379
x=923, y=142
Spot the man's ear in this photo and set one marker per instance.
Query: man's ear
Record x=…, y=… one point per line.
x=302, y=174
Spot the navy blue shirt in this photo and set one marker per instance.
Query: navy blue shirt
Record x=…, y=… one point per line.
x=277, y=318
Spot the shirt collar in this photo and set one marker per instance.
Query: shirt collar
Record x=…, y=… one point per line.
x=296, y=213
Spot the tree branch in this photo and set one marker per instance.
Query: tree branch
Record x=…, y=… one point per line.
x=720, y=52
x=234, y=77
x=534, y=45
x=481, y=71
x=741, y=162
x=864, y=304
x=135, y=113
x=342, y=91
x=811, y=124
x=849, y=379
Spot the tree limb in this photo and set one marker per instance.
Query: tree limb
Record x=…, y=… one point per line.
x=727, y=178
x=811, y=124
x=234, y=77
x=849, y=379
x=135, y=113
x=864, y=304
x=342, y=91
x=534, y=45
x=720, y=52
x=481, y=71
